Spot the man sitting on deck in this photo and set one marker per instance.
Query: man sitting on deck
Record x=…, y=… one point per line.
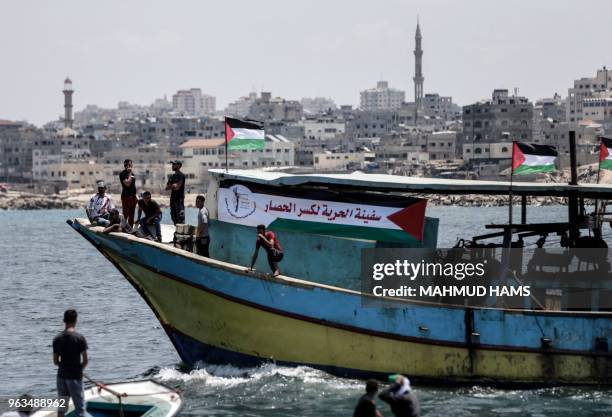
x=152, y=215
x=99, y=206
x=272, y=247
x=118, y=223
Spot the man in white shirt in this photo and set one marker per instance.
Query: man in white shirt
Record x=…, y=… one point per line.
x=99, y=207
x=202, y=237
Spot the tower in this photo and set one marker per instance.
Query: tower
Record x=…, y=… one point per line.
x=418, y=72
x=68, y=103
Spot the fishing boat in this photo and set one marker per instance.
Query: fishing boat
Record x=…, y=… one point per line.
x=215, y=311
x=146, y=398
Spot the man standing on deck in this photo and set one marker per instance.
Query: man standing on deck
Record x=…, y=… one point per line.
x=202, y=237
x=176, y=183
x=70, y=355
x=99, y=206
x=128, y=191
x=273, y=249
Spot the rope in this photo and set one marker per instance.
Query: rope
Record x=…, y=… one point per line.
x=105, y=388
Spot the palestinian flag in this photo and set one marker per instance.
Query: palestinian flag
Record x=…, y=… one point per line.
x=529, y=158
x=605, y=153
x=244, y=134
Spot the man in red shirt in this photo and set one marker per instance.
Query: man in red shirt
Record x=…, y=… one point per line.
x=273, y=249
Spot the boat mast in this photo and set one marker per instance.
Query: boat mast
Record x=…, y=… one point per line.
x=572, y=206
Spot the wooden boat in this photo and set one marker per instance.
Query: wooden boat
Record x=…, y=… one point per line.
x=146, y=398
x=214, y=311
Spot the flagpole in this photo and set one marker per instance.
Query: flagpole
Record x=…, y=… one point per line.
x=597, y=222
x=225, y=129
x=510, y=192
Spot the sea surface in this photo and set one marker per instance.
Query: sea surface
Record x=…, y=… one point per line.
x=45, y=268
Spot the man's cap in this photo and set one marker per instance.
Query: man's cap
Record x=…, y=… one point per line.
x=393, y=377
x=177, y=162
x=101, y=184
x=114, y=211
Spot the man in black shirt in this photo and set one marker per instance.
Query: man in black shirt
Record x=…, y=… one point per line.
x=128, y=191
x=366, y=407
x=70, y=355
x=176, y=183
x=152, y=215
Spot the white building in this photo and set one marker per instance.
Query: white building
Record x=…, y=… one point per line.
x=340, y=161
x=200, y=155
x=585, y=88
x=317, y=104
x=193, y=103
x=241, y=107
x=322, y=128
x=381, y=98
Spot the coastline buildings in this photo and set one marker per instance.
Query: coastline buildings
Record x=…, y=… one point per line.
x=381, y=98
x=193, y=103
x=599, y=86
x=199, y=155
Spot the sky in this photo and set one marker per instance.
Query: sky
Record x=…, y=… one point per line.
x=136, y=51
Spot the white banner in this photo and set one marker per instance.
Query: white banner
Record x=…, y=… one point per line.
x=237, y=204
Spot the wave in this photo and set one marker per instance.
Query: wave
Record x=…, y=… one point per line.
x=229, y=376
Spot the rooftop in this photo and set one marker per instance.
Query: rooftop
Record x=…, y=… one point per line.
x=384, y=182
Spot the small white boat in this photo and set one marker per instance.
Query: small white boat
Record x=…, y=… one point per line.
x=145, y=398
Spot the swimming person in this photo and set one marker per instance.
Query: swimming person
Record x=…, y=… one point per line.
x=400, y=397
x=366, y=407
x=70, y=356
x=273, y=249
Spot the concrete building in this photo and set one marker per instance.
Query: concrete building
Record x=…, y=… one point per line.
x=241, y=107
x=441, y=146
x=200, y=155
x=502, y=118
x=435, y=105
x=381, y=98
x=487, y=151
x=553, y=108
x=585, y=88
x=266, y=108
x=193, y=103
x=322, y=128
x=317, y=105
x=341, y=161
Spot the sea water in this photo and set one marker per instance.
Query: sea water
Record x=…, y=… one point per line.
x=46, y=267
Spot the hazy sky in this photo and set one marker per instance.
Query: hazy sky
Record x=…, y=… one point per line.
x=137, y=51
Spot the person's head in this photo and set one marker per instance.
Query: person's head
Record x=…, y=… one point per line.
x=371, y=386
x=101, y=187
x=261, y=229
x=146, y=196
x=70, y=317
x=114, y=213
x=400, y=381
x=176, y=165
x=200, y=201
x=127, y=164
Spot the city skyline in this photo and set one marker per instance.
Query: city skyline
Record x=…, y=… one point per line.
x=137, y=52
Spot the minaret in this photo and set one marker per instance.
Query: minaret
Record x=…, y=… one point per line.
x=68, y=103
x=418, y=73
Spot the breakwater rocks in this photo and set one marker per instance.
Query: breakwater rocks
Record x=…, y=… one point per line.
x=23, y=201
x=488, y=200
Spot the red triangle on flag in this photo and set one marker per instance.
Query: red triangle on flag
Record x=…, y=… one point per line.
x=517, y=156
x=229, y=132
x=603, y=152
x=411, y=219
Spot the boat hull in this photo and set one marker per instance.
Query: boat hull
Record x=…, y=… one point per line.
x=208, y=321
